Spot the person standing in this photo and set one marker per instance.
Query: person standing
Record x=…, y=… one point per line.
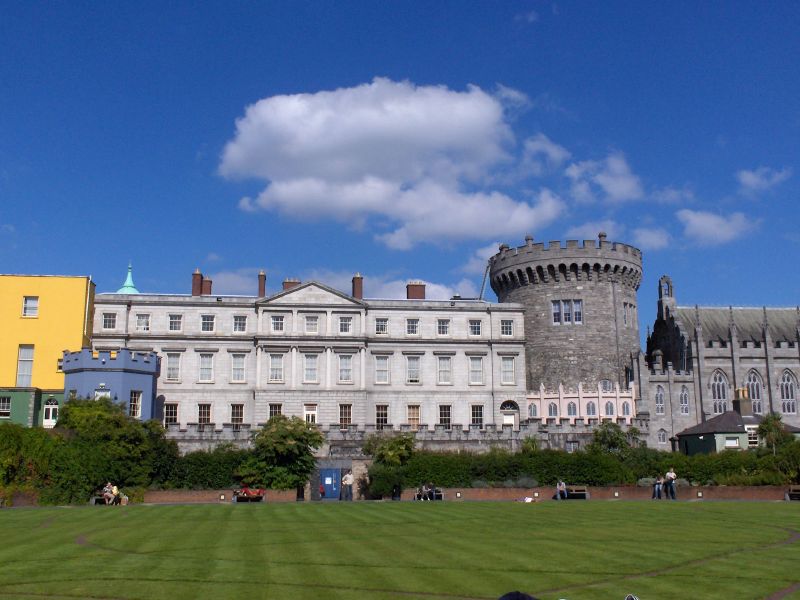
x=347, y=485
x=657, y=487
x=671, y=477
x=561, y=490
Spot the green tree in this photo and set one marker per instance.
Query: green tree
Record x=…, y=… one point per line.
x=610, y=438
x=283, y=454
x=392, y=451
x=771, y=430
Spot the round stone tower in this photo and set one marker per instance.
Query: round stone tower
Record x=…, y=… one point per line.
x=581, y=321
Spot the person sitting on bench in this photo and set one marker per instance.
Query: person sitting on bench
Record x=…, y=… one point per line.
x=561, y=490
x=108, y=496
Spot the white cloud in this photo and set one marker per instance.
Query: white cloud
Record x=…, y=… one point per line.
x=213, y=257
x=389, y=286
x=761, y=179
x=476, y=265
x=672, y=195
x=242, y=281
x=650, y=238
x=589, y=231
x=7, y=228
x=709, y=229
x=528, y=17
x=392, y=150
x=541, y=154
x=613, y=176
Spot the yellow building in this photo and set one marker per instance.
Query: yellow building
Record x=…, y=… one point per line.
x=40, y=317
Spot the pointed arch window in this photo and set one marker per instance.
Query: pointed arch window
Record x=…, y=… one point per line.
x=754, y=389
x=684, y=400
x=662, y=436
x=788, y=391
x=626, y=409
x=591, y=409
x=609, y=409
x=532, y=411
x=552, y=410
x=572, y=409
x=719, y=392
x=660, y=400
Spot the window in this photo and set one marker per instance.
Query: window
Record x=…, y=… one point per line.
x=276, y=367
x=552, y=410
x=443, y=326
x=25, y=366
x=625, y=314
x=731, y=442
x=30, y=306
x=206, y=368
x=572, y=446
x=109, y=320
x=275, y=410
x=381, y=369
x=626, y=409
x=445, y=412
x=566, y=311
x=506, y=327
x=556, y=308
x=719, y=393
x=170, y=413
x=277, y=323
x=606, y=386
x=312, y=324
x=207, y=323
x=5, y=407
x=412, y=412
x=412, y=326
x=173, y=366
x=142, y=322
x=310, y=368
x=754, y=386
x=203, y=415
x=475, y=370
x=381, y=326
x=532, y=411
x=345, y=368
x=237, y=368
x=591, y=409
x=444, y=371
x=474, y=327
x=609, y=409
x=577, y=312
x=684, y=400
x=345, y=324
x=381, y=416
x=412, y=369
x=476, y=416
x=752, y=437
x=239, y=323
x=788, y=387
x=135, y=404
x=237, y=416
x=572, y=409
x=660, y=400
x=175, y=322
x=662, y=436
x=310, y=413
x=345, y=416
x=507, y=374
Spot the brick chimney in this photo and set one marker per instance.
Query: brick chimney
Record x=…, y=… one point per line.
x=206, y=286
x=358, y=286
x=290, y=283
x=197, y=283
x=262, y=284
x=742, y=403
x=415, y=290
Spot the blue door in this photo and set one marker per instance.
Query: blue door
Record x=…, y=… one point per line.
x=329, y=480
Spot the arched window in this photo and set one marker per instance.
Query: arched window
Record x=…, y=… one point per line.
x=591, y=409
x=662, y=436
x=660, y=400
x=719, y=392
x=572, y=409
x=626, y=409
x=607, y=386
x=609, y=409
x=50, y=417
x=684, y=400
x=552, y=410
x=532, y=411
x=754, y=386
x=788, y=388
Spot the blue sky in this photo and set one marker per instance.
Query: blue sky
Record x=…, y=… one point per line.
x=402, y=140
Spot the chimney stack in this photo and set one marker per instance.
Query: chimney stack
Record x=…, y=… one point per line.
x=742, y=403
x=197, y=283
x=290, y=283
x=206, y=286
x=358, y=286
x=415, y=290
x=262, y=284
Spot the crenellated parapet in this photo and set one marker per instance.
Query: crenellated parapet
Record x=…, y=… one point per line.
x=118, y=360
x=576, y=261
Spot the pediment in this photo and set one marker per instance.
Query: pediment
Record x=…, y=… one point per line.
x=312, y=293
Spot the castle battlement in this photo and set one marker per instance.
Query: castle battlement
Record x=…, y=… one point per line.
x=110, y=360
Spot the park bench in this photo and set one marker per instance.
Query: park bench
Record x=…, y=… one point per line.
x=95, y=500
x=793, y=493
x=577, y=492
x=248, y=495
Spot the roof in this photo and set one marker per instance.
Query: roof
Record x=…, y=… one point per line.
x=730, y=422
x=128, y=287
x=715, y=321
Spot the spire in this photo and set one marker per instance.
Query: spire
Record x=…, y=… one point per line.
x=128, y=287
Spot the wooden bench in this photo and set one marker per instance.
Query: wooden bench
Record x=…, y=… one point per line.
x=577, y=492
x=793, y=493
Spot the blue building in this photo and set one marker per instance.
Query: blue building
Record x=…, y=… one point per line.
x=124, y=376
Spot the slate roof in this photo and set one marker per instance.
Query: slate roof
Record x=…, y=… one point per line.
x=783, y=322
x=729, y=422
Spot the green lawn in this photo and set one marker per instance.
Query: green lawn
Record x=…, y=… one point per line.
x=407, y=550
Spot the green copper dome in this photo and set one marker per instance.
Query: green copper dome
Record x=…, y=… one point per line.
x=128, y=287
